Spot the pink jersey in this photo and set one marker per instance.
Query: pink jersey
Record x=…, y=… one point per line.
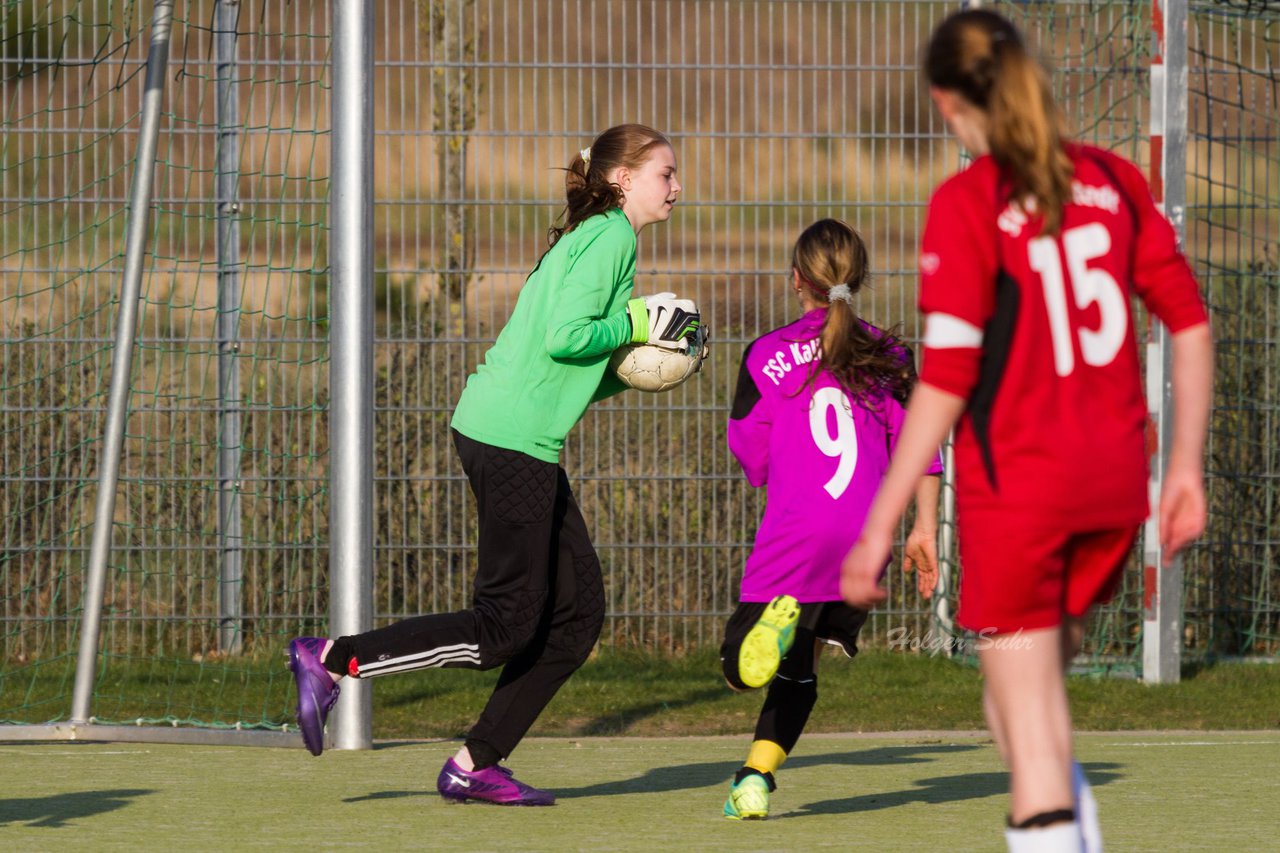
x=821, y=456
x=1036, y=333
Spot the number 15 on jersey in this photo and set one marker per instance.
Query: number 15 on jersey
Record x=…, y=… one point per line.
x=1089, y=285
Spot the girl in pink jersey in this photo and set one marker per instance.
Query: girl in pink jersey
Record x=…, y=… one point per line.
x=1028, y=263
x=815, y=414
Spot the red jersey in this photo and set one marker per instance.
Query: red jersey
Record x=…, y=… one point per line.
x=1037, y=334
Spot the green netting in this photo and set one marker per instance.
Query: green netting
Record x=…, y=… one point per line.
x=232, y=335
x=1232, y=605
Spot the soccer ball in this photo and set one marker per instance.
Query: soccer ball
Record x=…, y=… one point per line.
x=649, y=367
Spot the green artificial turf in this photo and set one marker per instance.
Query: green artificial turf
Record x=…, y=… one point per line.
x=879, y=691
x=1155, y=792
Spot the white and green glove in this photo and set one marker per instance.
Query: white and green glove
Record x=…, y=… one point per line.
x=664, y=320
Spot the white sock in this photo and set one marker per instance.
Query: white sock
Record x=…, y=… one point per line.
x=463, y=760
x=324, y=653
x=1086, y=810
x=1059, y=838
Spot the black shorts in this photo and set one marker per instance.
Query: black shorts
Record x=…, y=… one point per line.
x=832, y=622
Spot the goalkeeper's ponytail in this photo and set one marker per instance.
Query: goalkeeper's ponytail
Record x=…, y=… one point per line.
x=831, y=260
x=588, y=190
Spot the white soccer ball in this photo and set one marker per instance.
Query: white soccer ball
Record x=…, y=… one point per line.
x=649, y=367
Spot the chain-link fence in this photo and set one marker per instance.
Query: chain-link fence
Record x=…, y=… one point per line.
x=781, y=112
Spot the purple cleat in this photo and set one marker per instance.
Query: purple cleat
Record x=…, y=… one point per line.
x=317, y=691
x=491, y=785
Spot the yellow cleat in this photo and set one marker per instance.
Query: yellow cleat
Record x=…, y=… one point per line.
x=748, y=799
x=768, y=642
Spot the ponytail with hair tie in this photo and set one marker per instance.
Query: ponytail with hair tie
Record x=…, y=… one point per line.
x=840, y=293
x=866, y=361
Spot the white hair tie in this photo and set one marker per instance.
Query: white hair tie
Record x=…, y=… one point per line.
x=840, y=292
x=585, y=154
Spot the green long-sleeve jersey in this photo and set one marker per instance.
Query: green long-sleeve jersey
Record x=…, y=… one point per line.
x=551, y=359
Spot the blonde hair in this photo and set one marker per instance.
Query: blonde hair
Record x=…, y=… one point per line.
x=980, y=54
x=865, y=363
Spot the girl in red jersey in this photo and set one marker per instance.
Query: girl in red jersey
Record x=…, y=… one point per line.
x=1028, y=262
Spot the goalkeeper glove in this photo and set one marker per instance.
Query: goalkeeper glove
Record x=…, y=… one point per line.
x=664, y=320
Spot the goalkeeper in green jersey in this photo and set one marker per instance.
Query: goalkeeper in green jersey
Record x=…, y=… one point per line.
x=538, y=603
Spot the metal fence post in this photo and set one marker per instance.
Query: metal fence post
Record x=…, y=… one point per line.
x=227, y=109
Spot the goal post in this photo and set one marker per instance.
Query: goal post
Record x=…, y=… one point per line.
x=1162, y=581
x=351, y=367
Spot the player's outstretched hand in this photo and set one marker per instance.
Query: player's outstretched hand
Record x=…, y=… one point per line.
x=921, y=555
x=861, y=572
x=1182, y=511
x=664, y=320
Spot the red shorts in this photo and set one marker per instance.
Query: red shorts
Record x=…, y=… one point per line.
x=1020, y=574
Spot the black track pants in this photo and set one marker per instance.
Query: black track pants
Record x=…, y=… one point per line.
x=538, y=602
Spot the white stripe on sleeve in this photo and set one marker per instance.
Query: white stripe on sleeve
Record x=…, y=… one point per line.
x=947, y=331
